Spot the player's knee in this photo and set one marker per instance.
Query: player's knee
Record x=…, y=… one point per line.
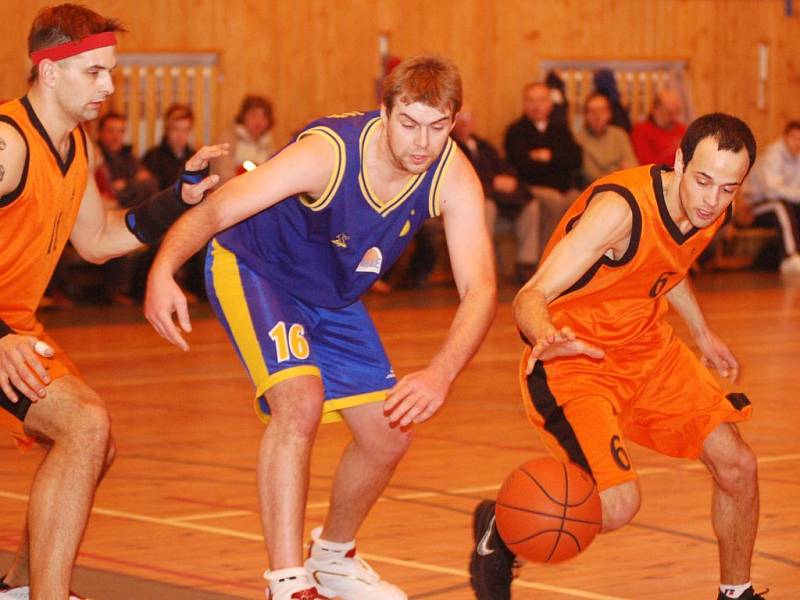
x=302, y=418
x=93, y=430
x=620, y=504
x=386, y=447
x=111, y=454
x=740, y=469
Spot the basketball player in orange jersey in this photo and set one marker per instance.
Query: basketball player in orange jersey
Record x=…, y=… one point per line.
x=47, y=197
x=296, y=242
x=604, y=367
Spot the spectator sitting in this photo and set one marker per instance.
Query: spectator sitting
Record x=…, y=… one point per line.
x=606, y=147
x=505, y=197
x=127, y=180
x=657, y=138
x=250, y=139
x=605, y=83
x=545, y=156
x=123, y=180
x=772, y=194
x=166, y=160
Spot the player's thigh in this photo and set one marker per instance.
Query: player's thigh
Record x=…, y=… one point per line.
x=268, y=328
x=680, y=405
x=577, y=421
x=355, y=367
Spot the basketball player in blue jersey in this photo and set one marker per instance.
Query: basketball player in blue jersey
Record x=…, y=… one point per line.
x=303, y=237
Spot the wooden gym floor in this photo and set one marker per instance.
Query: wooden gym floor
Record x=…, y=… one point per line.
x=177, y=516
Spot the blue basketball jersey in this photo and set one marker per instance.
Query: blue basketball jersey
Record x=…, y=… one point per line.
x=328, y=251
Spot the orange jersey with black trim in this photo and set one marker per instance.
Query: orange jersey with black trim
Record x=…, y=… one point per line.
x=617, y=300
x=36, y=218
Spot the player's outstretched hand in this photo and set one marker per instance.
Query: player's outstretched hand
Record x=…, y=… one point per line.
x=194, y=193
x=717, y=355
x=560, y=342
x=163, y=298
x=416, y=397
x=18, y=363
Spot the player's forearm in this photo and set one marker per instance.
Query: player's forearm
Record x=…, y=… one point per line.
x=113, y=239
x=683, y=300
x=468, y=329
x=531, y=313
x=185, y=238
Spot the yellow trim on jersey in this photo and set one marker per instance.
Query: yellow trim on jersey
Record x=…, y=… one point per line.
x=382, y=208
x=337, y=174
x=331, y=409
x=230, y=293
x=434, y=205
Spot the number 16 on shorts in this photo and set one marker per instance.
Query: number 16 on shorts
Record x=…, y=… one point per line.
x=290, y=341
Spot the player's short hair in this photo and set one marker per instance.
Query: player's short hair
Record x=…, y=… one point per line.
x=178, y=112
x=56, y=25
x=251, y=102
x=731, y=134
x=109, y=116
x=427, y=78
x=791, y=126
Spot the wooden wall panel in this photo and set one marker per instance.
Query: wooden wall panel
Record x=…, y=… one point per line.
x=314, y=57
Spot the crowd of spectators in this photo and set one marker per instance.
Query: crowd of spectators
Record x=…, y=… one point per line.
x=547, y=161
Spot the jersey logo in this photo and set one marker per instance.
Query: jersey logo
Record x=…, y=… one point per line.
x=371, y=262
x=660, y=283
x=406, y=229
x=341, y=240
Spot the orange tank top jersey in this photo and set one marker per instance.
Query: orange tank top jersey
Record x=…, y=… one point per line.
x=617, y=300
x=36, y=219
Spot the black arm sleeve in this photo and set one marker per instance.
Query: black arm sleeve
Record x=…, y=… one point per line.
x=150, y=220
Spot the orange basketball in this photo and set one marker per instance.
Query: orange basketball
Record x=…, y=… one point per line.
x=548, y=511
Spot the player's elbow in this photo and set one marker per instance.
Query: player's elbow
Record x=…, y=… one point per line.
x=93, y=252
x=90, y=255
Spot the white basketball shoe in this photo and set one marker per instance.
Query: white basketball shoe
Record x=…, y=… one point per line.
x=291, y=584
x=23, y=592
x=338, y=571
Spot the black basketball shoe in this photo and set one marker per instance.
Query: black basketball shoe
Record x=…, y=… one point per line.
x=492, y=565
x=749, y=594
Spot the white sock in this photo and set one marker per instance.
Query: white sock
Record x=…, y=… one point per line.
x=287, y=580
x=734, y=591
x=326, y=549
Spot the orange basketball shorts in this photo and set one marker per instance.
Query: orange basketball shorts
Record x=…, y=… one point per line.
x=654, y=392
x=12, y=414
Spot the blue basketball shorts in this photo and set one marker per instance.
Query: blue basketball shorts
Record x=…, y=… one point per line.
x=278, y=336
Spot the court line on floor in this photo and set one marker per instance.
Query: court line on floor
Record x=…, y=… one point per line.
x=181, y=522
x=486, y=488
x=253, y=537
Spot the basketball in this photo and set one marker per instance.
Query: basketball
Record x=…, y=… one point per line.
x=548, y=511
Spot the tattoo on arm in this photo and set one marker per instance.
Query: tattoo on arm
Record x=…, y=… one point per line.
x=2, y=172
x=2, y=144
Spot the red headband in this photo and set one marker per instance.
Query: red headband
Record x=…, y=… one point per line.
x=67, y=49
